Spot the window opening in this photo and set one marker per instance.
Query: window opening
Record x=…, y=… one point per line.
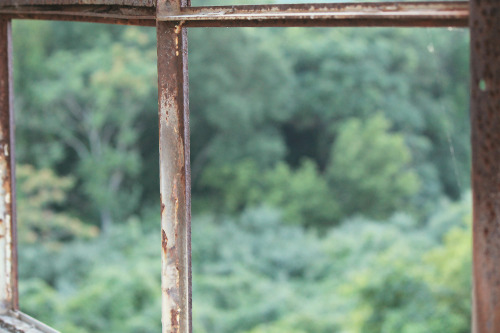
x=88, y=258
x=461, y=170
x=172, y=19
x=303, y=249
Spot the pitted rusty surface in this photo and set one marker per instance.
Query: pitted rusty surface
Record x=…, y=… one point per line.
x=485, y=126
x=12, y=326
x=447, y=13
x=136, y=3
x=143, y=12
x=174, y=320
x=112, y=14
x=174, y=178
x=8, y=258
x=18, y=322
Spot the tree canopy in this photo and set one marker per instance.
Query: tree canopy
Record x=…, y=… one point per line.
x=330, y=173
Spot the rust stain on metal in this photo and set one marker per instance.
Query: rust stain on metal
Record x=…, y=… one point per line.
x=174, y=173
x=10, y=327
x=18, y=322
x=164, y=241
x=113, y=14
x=143, y=12
x=426, y=14
x=142, y=3
x=8, y=250
x=485, y=127
x=174, y=320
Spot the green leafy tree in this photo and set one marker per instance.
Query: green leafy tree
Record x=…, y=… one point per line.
x=259, y=257
x=40, y=219
x=287, y=132
x=370, y=169
x=302, y=194
x=237, y=101
x=106, y=284
x=417, y=283
x=419, y=78
x=94, y=98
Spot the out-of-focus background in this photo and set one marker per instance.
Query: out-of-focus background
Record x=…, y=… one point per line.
x=330, y=172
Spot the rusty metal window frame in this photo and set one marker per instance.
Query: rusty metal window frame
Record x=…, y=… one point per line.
x=171, y=19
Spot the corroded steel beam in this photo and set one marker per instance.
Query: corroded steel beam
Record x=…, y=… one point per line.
x=8, y=257
x=175, y=176
x=485, y=127
x=142, y=16
x=142, y=12
x=133, y=3
x=411, y=14
x=15, y=321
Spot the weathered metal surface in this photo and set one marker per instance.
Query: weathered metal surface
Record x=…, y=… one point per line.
x=136, y=3
x=426, y=14
x=143, y=16
x=175, y=176
x=408, y=14
x=8, y=259
x=18, y=322
x=485, y=127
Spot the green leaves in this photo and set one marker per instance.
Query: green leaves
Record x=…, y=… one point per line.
x=326, y=163
x=107, y=284
x=367, y=162
x=240, y=89
x=87, y=110
x=40, y=219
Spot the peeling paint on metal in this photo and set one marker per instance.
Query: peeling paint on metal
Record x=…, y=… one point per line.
x=174, y=177
x=18, y=322
x=112, y=14
x=445, y=13
x=8, y=258
x=142, y=3
x=142, y=12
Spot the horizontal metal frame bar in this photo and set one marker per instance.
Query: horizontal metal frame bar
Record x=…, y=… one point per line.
x=17, y=321
x=133, y=3
x=383, y=14
x=142, y=16
x=334, y=14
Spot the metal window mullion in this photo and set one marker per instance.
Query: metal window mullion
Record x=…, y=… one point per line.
x=175, y=178
x=485, y=139
x=8, y=252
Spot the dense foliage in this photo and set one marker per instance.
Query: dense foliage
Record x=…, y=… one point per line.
x=330, y=173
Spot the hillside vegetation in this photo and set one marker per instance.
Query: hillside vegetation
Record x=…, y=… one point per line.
x=330, y=178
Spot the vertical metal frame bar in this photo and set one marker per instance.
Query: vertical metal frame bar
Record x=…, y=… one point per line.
x=175, y=177
x=485, y=130
x=8, y=257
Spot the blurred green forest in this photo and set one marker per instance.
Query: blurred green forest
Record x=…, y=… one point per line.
x=330, y=179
